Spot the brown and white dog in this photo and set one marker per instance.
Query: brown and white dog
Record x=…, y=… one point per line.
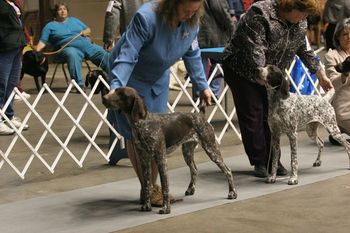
x=156, y=135
x=288, y=112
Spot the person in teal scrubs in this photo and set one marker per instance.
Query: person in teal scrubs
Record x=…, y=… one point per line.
x=61, y=31
x=160, y=33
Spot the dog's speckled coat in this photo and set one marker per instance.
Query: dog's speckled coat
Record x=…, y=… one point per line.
x=156, y=135
x=289, y=111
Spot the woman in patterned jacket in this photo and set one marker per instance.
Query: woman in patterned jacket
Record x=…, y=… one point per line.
x=271, y=32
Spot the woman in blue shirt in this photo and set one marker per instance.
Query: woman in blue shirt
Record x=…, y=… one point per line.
x=61, y=31
x=160, y=33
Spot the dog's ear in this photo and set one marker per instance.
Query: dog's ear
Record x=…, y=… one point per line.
x=139, y=110
x=284, y=88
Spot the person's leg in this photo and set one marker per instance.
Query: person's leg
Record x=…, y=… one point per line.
x=97, y=55
x=73, y=57
x=10, y=70
x=328, y=35
x=251, y=105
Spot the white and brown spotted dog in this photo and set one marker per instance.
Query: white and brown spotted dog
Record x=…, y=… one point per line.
x=289, y=111
x=156, y=135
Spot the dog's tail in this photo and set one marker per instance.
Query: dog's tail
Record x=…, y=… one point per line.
x=329, y=95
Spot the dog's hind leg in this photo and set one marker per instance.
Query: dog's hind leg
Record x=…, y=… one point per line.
x=334, y=131
x=209, y=144
x=188, y=154
x=312, y=131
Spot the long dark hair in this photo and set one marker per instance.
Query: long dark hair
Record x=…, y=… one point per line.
x=167, y=9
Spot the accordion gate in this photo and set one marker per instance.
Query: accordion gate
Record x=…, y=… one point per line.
x=100, y=118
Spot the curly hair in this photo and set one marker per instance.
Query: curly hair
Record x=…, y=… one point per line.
x=57, y=6
x=309, y=6
x=167, y=9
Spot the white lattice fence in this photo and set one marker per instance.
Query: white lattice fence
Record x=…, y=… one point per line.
x=70, y=116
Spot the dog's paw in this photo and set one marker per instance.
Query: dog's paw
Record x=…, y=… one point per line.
x=146, y=207
x=232, y=194
x=317, y=163
x=293, y=181
x=270, y=179
x=190, y=191
x=165, y=210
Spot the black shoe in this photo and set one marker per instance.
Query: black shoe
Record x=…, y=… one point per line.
x=281, y=171
x=260, y=171
x=333, y=141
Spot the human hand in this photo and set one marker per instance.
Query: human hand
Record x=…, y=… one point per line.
x=108, y=46
x=261, y=82
x=324, y=81
x=205, y=96
x=326, y=84
x=86, y=32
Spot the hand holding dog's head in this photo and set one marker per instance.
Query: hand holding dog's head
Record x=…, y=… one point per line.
x=127, y=100
x=275, y=80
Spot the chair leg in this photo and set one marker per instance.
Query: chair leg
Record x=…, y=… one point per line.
x=87, y=65
x=65, y=74
x=54, y=74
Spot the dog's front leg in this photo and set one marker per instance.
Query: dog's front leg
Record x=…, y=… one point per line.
x=293, y=179
x=162, y=169
x=275, y=154
x=145, y=160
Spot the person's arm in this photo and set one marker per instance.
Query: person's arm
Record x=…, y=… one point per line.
x=194, y=67
x=331, y=60
x=255, y=44
x=86, y=32
x=111, y=24
x=125, y=60
x=308, y=57
x=40, y=46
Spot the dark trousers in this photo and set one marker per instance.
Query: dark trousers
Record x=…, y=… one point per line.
x=252, y=111
x=328, y=35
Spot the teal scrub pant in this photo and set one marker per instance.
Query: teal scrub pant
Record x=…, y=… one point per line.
x=74, y=56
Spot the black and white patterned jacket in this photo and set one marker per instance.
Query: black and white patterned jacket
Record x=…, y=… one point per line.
x=262, y=38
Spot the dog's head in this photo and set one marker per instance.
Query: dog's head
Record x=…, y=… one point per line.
x=127, y=100
x=91, y=79
x=343, y=67
x=276, y=80
x=34, y=63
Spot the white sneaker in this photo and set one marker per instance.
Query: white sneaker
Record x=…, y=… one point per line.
x=18, y=98
x=18, y=122
x=5, y=130
x=25, y=95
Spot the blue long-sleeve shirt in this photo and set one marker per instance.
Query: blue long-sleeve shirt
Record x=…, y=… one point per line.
x=145, y=52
